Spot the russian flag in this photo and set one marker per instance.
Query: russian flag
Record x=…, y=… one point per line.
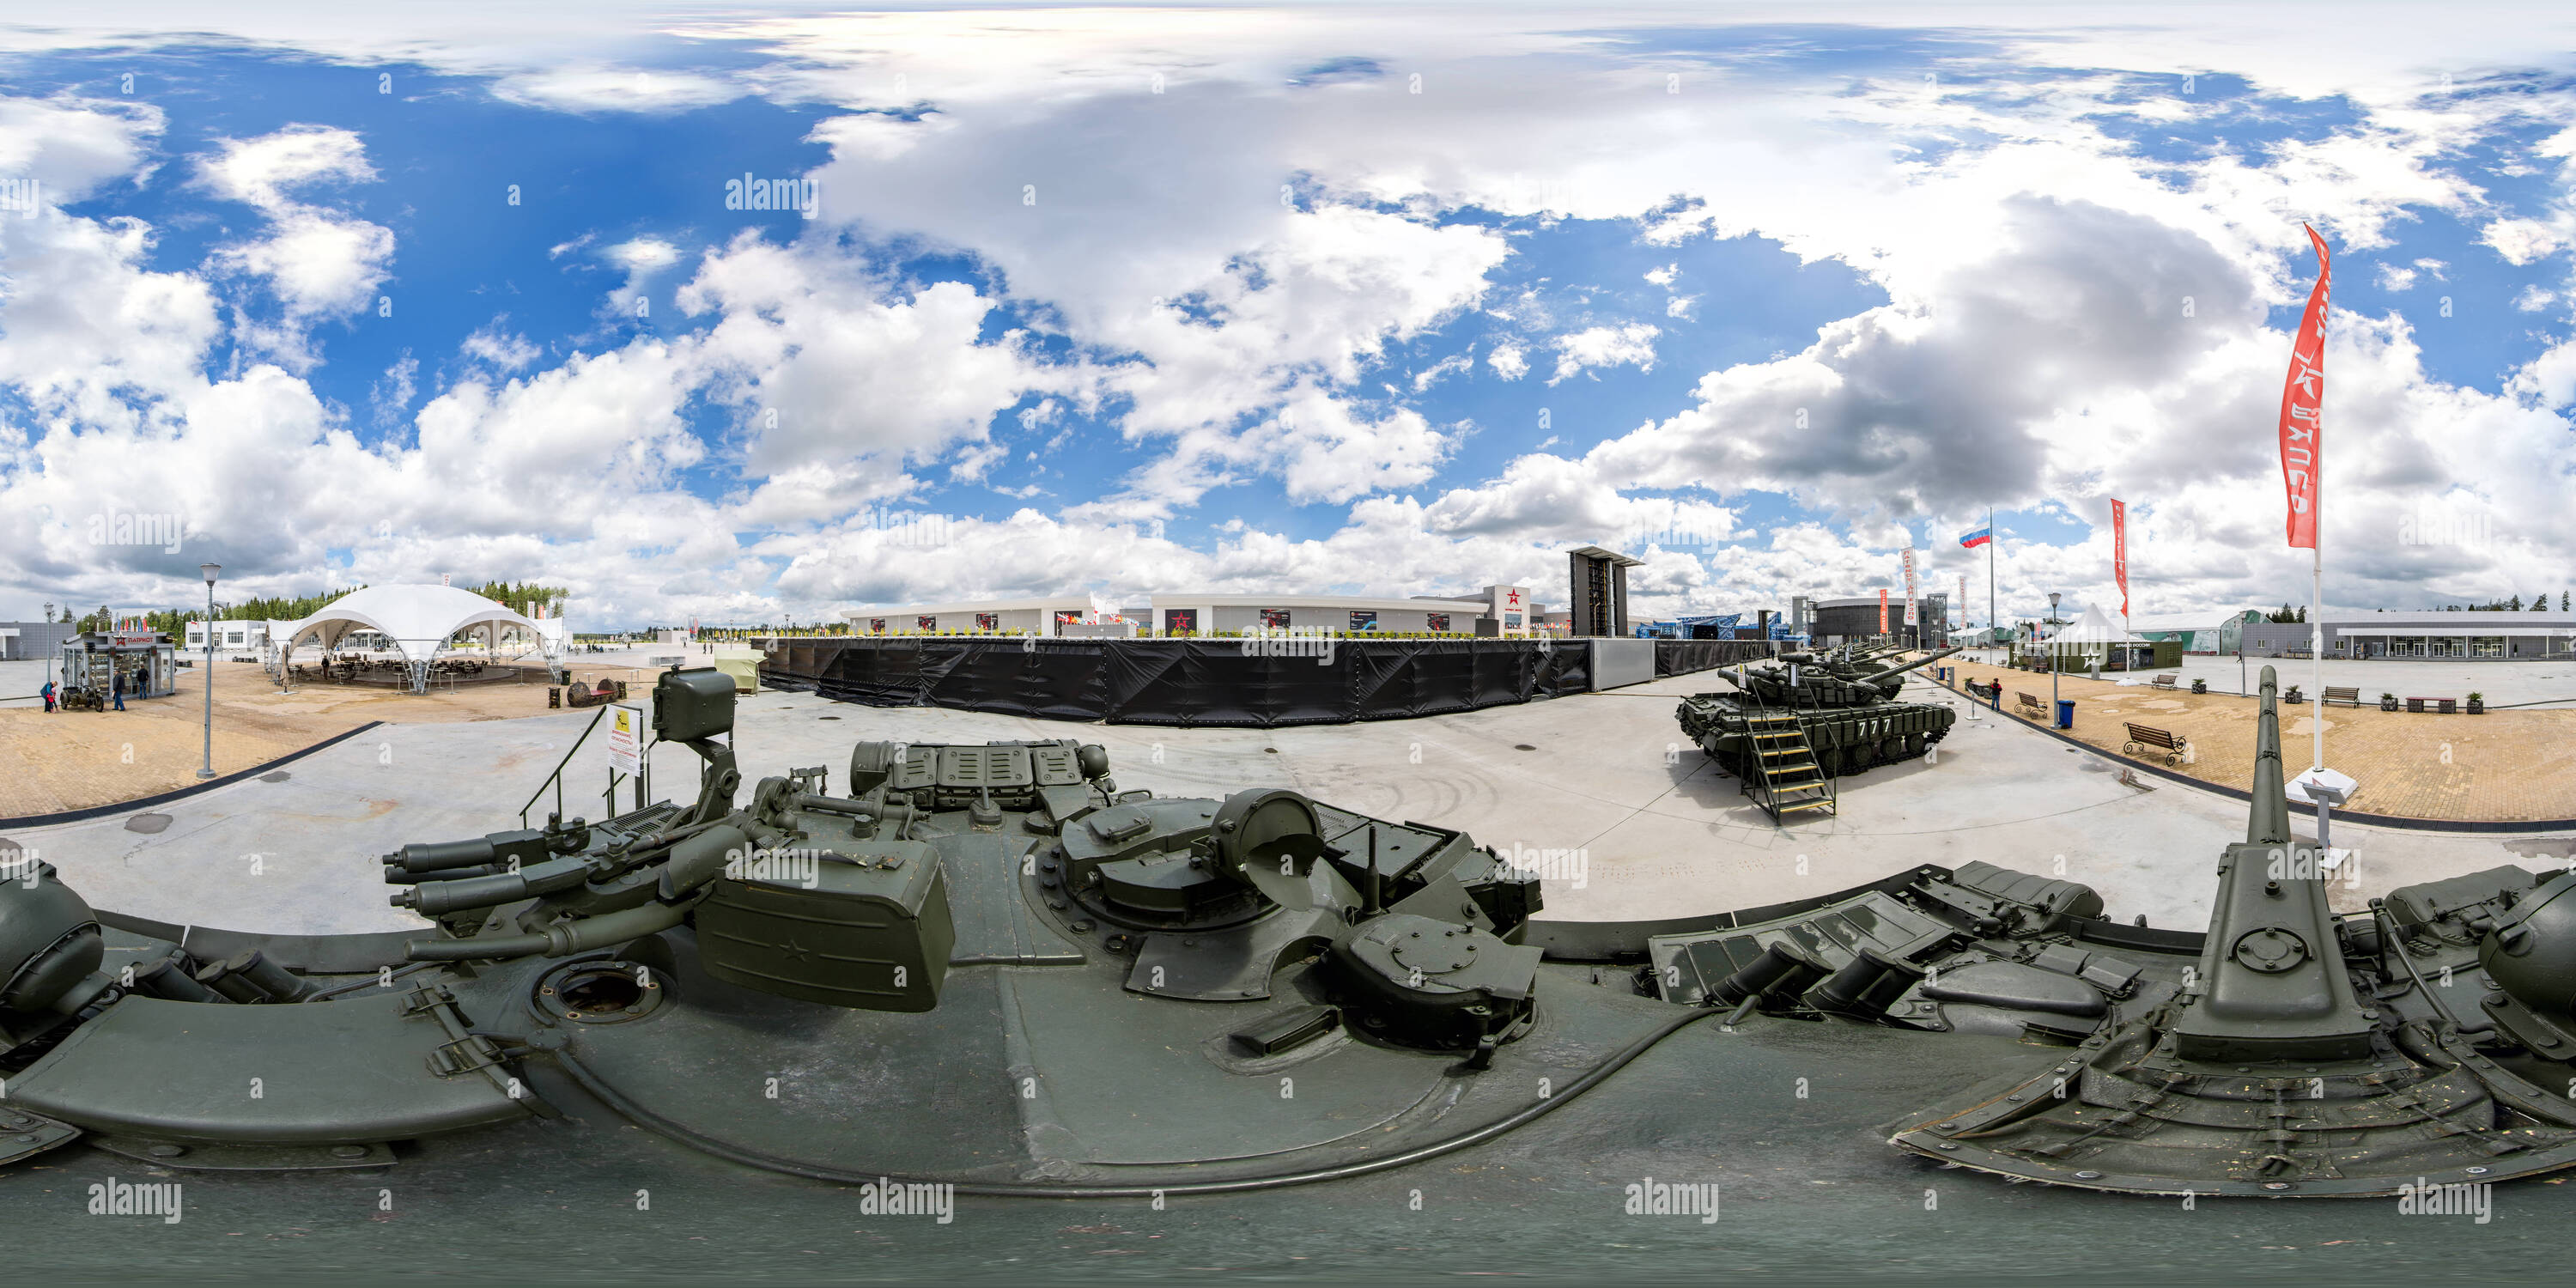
x=1979, y=537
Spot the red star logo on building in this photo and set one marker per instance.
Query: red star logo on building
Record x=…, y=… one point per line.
x=1515, y=600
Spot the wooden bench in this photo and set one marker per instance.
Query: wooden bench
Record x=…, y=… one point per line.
x=2164, y=681
x=2031, y=706
x=2144, y=739
x=2348, y=697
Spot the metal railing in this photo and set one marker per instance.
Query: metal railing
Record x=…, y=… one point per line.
x=555, y=779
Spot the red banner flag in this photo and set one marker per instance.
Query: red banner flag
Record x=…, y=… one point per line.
x=1882, y=610
x=2302, y=399
x=2120, y=552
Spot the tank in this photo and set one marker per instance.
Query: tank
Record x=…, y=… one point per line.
x=1846, y=709
x=985, y=973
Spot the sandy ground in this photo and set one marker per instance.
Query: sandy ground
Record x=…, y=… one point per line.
x=2504, y=765
x=76, y=760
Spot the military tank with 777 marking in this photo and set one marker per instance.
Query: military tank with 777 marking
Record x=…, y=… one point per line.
x=1849, y=714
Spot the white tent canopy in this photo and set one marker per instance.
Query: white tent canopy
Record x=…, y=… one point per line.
x=2094, y=629
x=420, y=620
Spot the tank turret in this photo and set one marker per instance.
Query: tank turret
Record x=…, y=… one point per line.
x=2299, y=1053
x=1818, y=682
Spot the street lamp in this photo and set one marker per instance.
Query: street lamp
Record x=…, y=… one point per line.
x=52, y=645
x=207, y=770
x=2052, y=659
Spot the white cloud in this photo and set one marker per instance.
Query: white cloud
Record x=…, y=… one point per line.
x=1448, y=366
x=2522, y=241
x=72, y=146
x=2034, y=348
x=970, y=463
x=259, y=172
x=394, y=391
x=319, y=262
x=642, y=255
x=612, y=89
x=1605, y=346
x=499, y=347
x=1663, y=276
x=2393, y=278
x=88, y=334
x=839, y=378
x=1324, y=449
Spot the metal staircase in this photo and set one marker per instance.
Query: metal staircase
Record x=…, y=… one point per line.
x=1786, y=778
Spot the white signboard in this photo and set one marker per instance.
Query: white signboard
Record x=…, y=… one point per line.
x=626, y=739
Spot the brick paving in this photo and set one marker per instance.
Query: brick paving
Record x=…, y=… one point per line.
x=78, y=759
x=2501, y=766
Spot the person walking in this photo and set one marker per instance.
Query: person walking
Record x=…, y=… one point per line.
x=48, y=692
x=116, y=689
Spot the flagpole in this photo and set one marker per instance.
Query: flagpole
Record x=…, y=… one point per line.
x=2317, y=627
x=1991, y=540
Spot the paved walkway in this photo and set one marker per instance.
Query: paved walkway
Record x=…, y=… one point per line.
x=1660, y=833
x=76, y=760
x=2501, y=766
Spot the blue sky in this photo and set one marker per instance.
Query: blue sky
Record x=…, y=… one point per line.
x=1766, y=302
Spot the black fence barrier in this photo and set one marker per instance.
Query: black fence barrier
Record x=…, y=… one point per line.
x=1681, y=657
x=1216, y=682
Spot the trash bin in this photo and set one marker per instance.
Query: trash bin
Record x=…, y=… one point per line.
x=2066, y=713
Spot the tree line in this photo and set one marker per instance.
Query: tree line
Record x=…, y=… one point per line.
x=519, y=597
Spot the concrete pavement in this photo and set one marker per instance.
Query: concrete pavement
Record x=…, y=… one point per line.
x=1659, y=832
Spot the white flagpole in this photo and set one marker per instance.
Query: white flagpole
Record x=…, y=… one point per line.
x=2317, y=630
x=1991, y=538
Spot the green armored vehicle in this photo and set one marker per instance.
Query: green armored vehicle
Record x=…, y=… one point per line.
x=984, y=972
x=981, y=965
x=1844, y=711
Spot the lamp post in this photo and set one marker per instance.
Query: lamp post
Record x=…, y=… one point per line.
x=52, y=646
x=207, y=770
x=2052, y=659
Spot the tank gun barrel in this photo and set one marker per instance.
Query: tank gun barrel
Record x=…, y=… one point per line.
x=1903, y=667
x=2273, y=985
x=2268, y=823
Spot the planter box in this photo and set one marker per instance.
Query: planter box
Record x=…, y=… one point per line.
x=2477, y=707
x=2388, y=704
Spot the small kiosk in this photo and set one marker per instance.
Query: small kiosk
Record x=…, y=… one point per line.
x=145, y=658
